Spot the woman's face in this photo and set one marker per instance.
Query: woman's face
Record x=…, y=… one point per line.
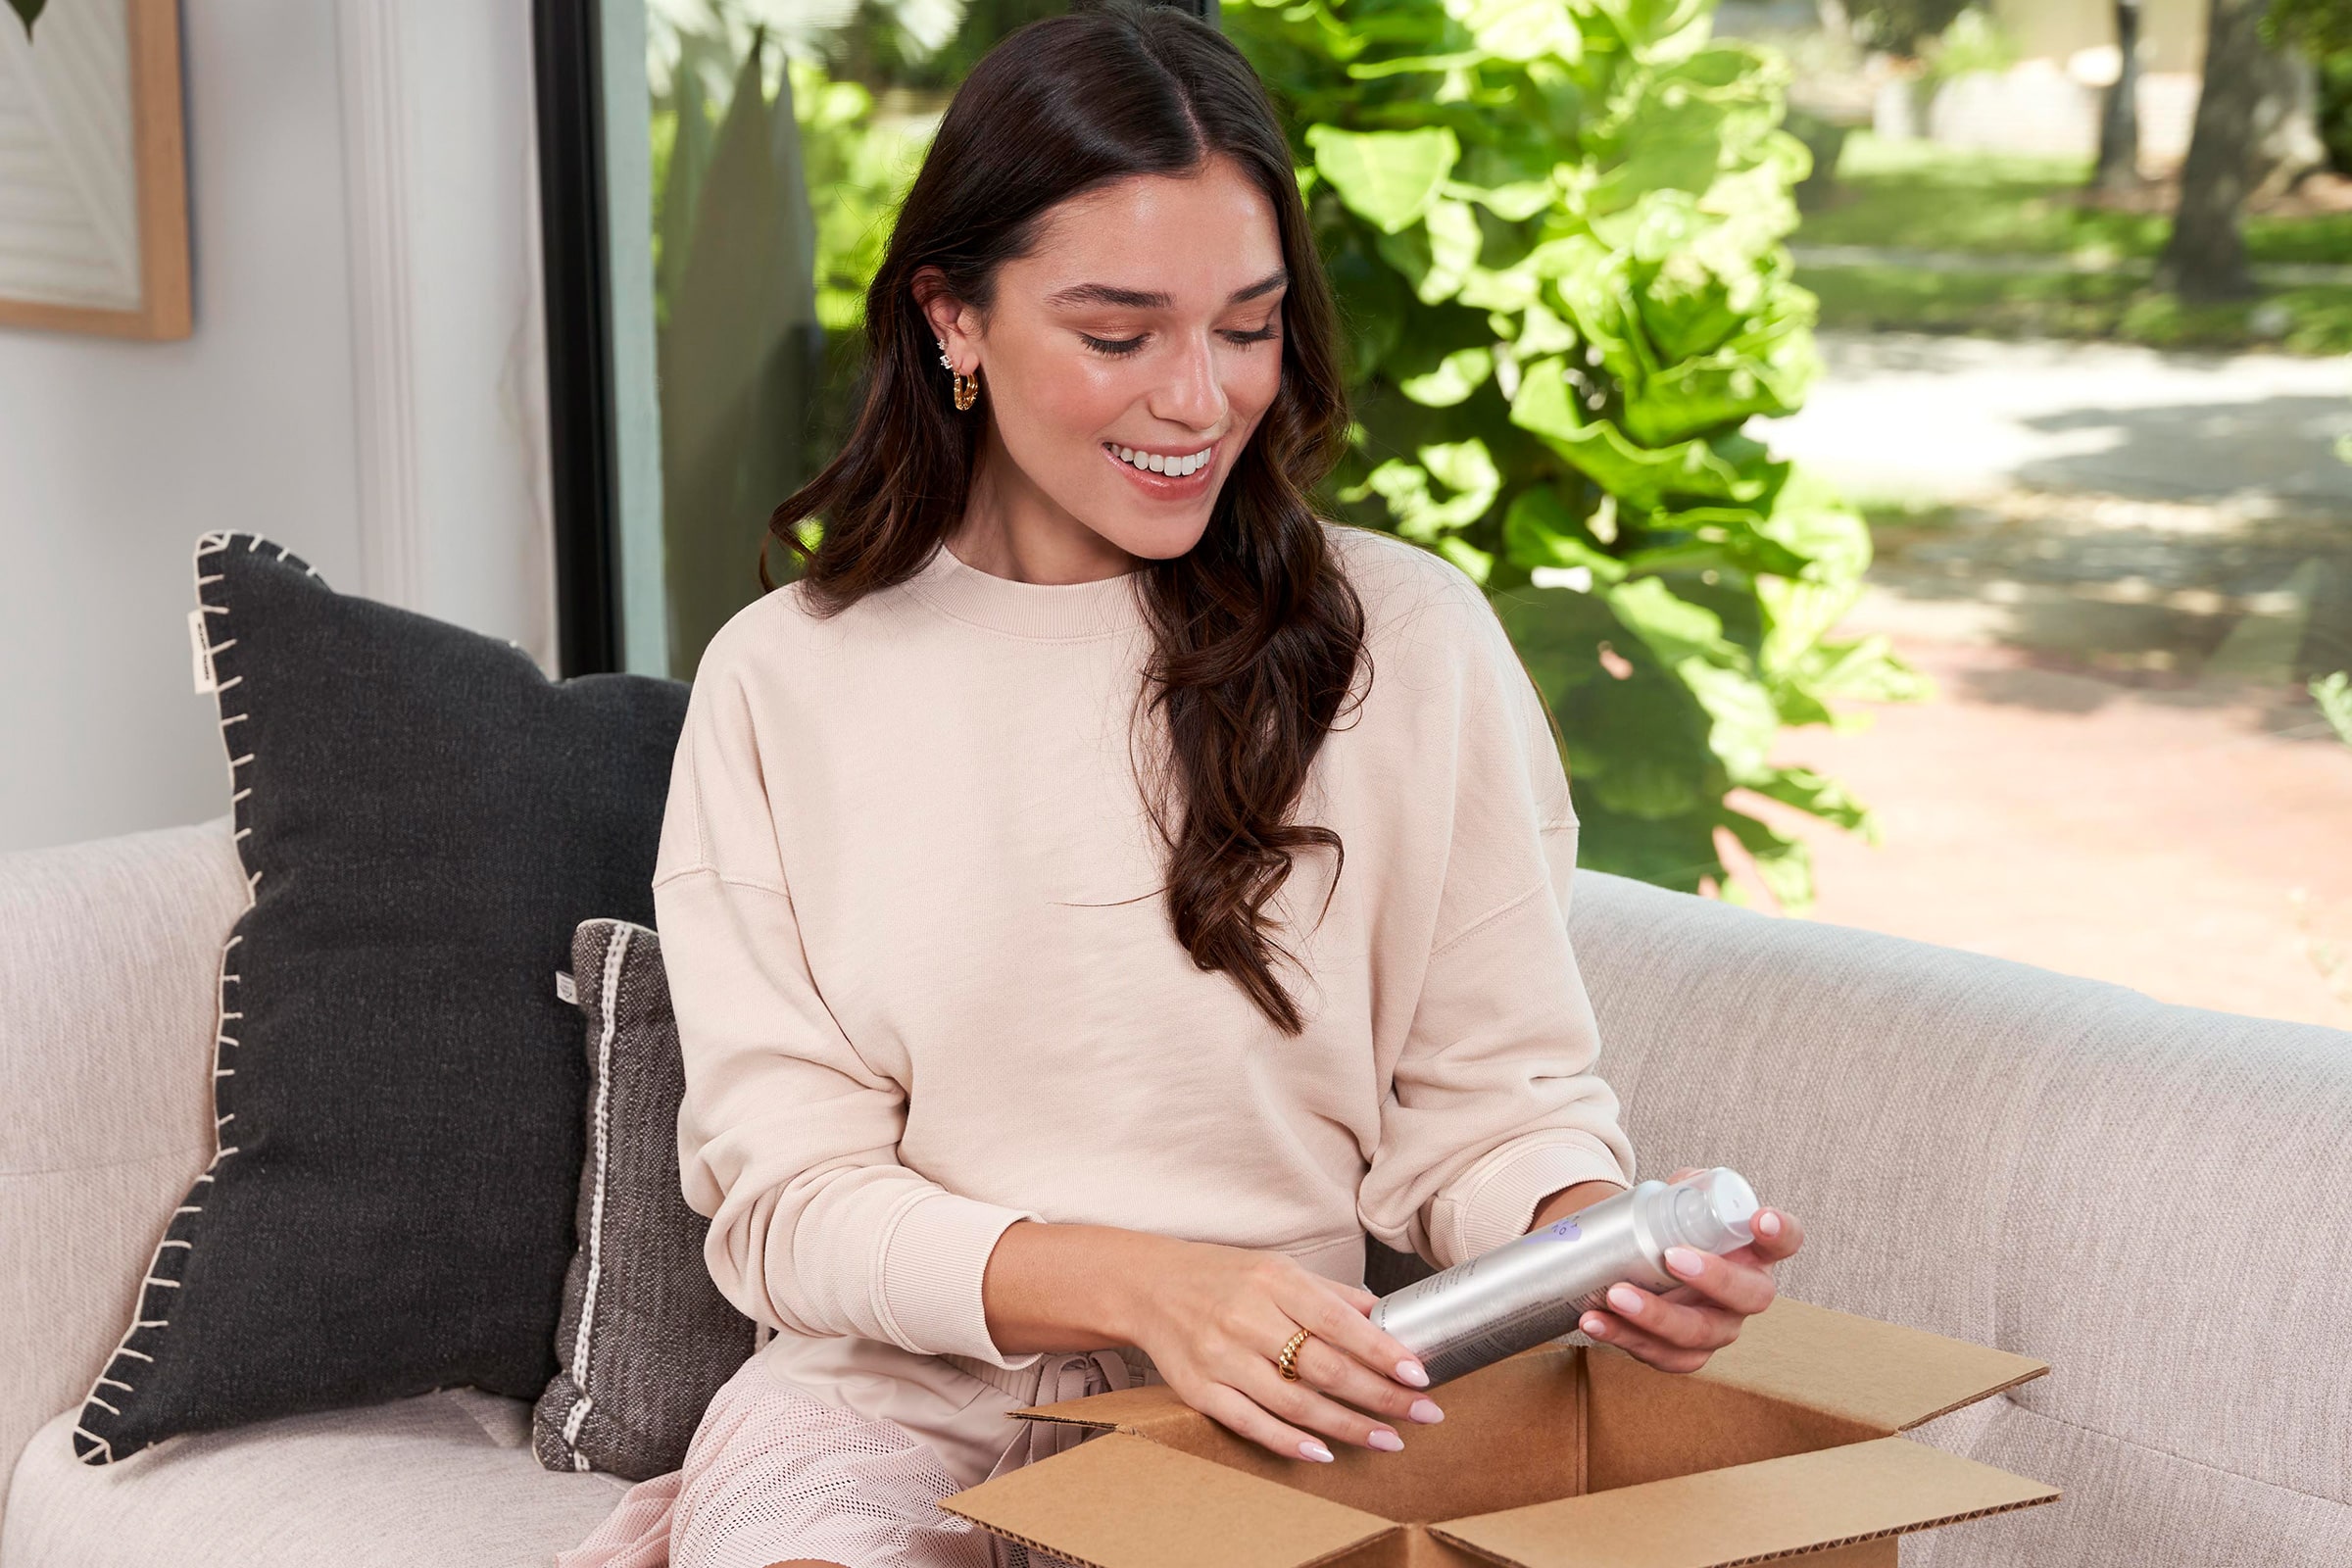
x=1127, y=358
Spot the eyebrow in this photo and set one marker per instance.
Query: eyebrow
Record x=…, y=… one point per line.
x=1136, y=299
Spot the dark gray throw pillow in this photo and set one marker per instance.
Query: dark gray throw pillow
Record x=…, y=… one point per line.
x=425, y=819
x=645, y=1340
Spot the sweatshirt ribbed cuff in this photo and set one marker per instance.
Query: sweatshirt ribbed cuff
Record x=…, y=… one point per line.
x=1494, y=1201
x=932, y=1265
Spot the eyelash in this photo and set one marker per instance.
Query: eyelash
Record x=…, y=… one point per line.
x=1126, y=346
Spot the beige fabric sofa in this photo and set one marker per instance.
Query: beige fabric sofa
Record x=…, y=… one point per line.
x=2155, y=1199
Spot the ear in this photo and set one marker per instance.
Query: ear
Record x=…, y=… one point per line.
x=955, y=325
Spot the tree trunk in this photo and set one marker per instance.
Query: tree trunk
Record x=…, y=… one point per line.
x=2206, y=256
x=2119, y=126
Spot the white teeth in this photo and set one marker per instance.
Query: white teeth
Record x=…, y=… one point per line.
x=1154, y=463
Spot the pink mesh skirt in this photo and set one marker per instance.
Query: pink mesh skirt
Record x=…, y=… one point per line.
x=773, y=1474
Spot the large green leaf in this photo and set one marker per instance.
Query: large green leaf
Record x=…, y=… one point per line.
x=1639, y=475
x=1521, y=29
x=1465, y=467
x=1388, y=176
x=1785, y=864
x=1439, y=255
x=27, y=12
x=1458, y=376
x=1539, y=530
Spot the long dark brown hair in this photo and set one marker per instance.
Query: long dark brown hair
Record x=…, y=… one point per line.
x=1257, y=634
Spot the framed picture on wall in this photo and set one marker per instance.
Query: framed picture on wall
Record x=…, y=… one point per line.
x=94, y=206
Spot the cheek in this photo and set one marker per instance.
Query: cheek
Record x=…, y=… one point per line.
x=1049, y=408
x=1253, y=385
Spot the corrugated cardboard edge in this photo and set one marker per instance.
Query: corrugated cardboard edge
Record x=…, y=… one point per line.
x=1886, y=1376
x=1108, y=1410
x=1153, y=1506
x=1145, y=1410
x=1827, y=1498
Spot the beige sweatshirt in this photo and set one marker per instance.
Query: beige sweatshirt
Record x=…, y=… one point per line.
x=912, y=914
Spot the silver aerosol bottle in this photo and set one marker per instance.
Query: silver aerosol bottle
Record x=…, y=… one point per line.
x=1535, y=1288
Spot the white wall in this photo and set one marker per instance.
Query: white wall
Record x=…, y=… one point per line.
x=364, y=385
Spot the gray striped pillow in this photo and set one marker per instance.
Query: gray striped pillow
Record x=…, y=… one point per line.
x=645, y=1340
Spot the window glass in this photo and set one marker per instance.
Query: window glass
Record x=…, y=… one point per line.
x=783, y=133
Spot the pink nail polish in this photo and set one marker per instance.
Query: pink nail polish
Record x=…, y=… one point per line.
x=1768, y=1223
x=1426, y=1411
x=1312, y=1449
x=1386, y=1440
x=1411, y=1372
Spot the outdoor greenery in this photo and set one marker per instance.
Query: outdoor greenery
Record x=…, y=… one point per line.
x=1556, y=229
x=1556, y=226
x=1922, y=196
x=2119, y=306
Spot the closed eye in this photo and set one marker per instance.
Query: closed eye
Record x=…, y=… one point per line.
x=1116, y=347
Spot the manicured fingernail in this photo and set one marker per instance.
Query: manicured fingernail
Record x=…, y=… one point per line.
x=1682, y=1259
x=1768, y=1223
x=1315, y=1450
x=1385, y=1439
x=1411, y=1372
x=1426, y=1411
x=1623, y=1299
x=1596, y=1326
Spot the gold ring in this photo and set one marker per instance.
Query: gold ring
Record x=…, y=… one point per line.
x=1286, y=1360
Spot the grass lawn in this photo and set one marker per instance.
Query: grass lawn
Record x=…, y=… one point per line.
x=2117, y=307
x=1920, y=196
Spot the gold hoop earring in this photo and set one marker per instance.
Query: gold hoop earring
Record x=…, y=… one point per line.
x=967, y=387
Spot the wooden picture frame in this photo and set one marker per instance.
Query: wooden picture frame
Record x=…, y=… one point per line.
x=100, y=242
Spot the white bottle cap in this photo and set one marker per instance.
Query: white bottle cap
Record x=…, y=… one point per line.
x=1715, y=1211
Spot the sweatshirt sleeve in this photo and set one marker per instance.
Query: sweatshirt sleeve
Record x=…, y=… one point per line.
x=787, y=1137
x=1495, y=1102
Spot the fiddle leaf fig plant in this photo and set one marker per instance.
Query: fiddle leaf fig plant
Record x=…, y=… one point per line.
x=27, y=12
x=1556, y=226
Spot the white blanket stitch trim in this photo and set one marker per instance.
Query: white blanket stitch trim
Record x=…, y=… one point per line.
x=102, y=1449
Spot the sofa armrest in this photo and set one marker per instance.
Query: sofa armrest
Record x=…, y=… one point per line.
x=110, y=964
x=2148, y=1196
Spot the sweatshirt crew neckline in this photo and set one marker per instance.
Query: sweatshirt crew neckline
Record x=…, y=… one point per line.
x=1046, y=611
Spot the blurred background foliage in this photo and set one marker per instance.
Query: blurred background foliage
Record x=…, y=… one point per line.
x=1558, y=232
x=1556, y=227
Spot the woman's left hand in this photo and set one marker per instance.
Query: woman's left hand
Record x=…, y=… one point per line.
x=1675, y=1330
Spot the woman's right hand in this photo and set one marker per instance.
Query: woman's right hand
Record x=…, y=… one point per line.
x=1213, y=1318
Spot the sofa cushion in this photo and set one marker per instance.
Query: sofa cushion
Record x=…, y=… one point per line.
x=422, y=820
x=441, y=1478
x=645, y=1339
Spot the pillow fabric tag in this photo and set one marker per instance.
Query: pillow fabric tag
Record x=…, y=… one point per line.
x=201, y=649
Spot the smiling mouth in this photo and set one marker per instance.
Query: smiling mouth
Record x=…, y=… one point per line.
x=1175, y=465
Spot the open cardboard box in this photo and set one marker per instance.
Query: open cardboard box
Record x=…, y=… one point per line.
x=1565, y=1456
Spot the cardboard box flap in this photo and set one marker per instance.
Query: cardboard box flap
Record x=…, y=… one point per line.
x=1122, y=1501
x=1150, y=1408
x=1748, y=1512
x=1884, y=1375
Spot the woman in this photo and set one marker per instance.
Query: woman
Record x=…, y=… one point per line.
x=981, y=855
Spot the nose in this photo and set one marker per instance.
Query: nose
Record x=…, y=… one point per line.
x=1191, y=396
